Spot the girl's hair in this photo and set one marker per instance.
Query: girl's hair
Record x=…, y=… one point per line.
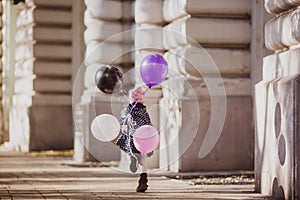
x=137, y=95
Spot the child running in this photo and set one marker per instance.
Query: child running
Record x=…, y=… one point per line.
x=136, y=115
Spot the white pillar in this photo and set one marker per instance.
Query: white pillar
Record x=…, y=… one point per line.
x=17, y=109
x=224, y=32
x=149, y=40
x=106, y=44
x=277, y=97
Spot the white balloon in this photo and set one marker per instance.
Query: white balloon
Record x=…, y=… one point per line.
x=105, y=127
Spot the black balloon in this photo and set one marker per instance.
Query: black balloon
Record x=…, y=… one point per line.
x=109, y=79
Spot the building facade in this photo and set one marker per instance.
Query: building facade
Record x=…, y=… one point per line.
x=277, y=112
x=229, y=101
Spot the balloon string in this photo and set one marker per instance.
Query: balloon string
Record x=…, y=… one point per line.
x=130, y=125
x=124, y=94
x=146, y=91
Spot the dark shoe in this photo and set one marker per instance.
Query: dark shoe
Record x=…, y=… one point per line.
x=142, y=187
x=150, y=154
x=133, y=164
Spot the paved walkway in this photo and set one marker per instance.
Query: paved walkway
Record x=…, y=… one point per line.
x=27, y=177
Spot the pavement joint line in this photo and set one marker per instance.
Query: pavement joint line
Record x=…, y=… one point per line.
x=54, y=181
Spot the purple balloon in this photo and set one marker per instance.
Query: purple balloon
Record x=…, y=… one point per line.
x=154, y=70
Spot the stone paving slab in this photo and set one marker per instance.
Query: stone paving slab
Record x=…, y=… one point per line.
x=29, y=178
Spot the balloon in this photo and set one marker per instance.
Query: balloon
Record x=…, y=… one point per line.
x=154, y=70
x=146, y=138
x=105, y=127
x=109, y=79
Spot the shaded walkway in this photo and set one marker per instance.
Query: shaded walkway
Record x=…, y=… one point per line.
x=28, y=177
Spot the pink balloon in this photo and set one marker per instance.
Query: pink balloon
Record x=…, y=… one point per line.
x=146, y=138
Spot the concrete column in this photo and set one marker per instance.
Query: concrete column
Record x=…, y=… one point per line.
x=277, y=98
x=3, y=129
x=19, y=134
x=149, y=40
x=105, y=45
x=224, y=32
x=41, y=114
x=10, y=13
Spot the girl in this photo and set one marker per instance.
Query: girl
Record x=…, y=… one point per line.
x=135, y=116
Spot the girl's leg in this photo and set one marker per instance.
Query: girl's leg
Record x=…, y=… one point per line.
x=133, y=163
x=142, y=187
x=143, y=162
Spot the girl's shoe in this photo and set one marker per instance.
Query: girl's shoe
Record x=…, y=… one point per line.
x=142, y=187
x=133, y=164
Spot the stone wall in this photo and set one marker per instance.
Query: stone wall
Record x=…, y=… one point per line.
x=108, y=41
x=277, y=131
x=224, y=32
x=148, y=40
x=3, y=131
x=41, y=113
x=113, y=38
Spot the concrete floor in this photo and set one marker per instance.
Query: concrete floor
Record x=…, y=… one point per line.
x=27, y=177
